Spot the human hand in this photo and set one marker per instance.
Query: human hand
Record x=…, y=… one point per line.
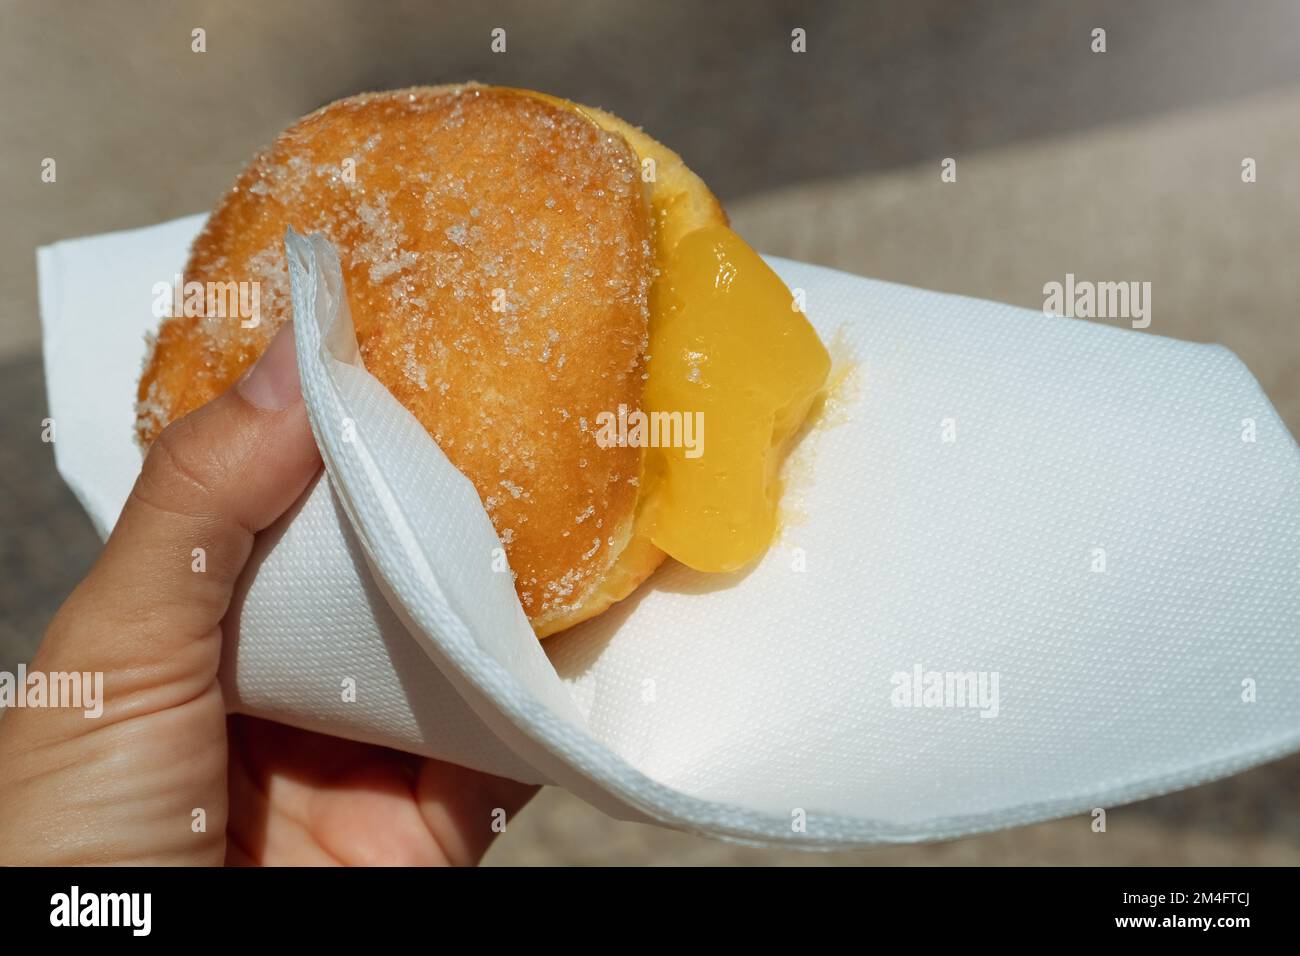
x=125, y=787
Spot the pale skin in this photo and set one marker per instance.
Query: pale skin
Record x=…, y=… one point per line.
x=124, y=788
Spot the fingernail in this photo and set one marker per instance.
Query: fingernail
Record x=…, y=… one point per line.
x=272, y=383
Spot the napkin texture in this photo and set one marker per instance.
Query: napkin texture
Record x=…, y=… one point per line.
x=1066, y=507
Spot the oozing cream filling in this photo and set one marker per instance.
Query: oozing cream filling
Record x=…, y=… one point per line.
x=730, y=351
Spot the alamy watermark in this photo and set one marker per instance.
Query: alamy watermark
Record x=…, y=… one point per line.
x=638, y=429
x=133, y=911
x=209, y=300
x=977, y=690
x=77, y=690
x=1083, y=299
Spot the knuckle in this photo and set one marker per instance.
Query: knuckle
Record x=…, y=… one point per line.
x=181, y=468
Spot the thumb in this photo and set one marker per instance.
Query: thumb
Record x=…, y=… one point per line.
x=149, y=612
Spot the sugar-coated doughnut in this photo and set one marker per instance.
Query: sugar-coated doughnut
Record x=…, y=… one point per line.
x=498, y=249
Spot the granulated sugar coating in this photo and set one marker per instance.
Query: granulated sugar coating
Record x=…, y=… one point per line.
x=498, y=256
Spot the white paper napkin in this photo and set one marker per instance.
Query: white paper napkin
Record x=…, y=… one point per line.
x=1067, y=512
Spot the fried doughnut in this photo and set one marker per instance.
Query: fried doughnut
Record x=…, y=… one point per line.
x=498, y=249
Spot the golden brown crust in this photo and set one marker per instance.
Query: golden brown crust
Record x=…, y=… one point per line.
x=682, y=202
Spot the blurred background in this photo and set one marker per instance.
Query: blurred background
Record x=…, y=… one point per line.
x=1118, y=165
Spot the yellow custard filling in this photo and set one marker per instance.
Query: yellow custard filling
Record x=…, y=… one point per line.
x=726, y=343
